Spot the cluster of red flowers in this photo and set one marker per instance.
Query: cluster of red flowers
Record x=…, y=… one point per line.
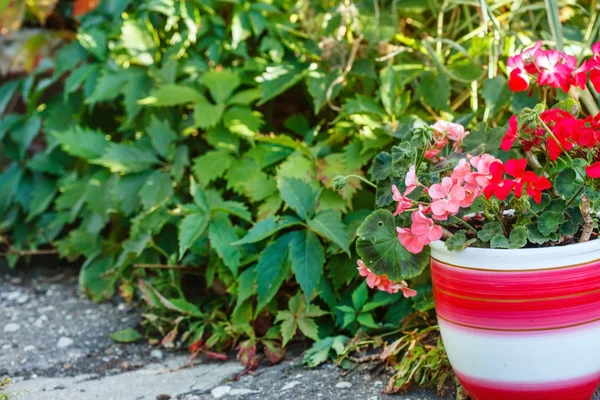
x=568, y=134
x=552, y=68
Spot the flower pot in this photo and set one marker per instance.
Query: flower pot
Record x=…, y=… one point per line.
x=521, y=324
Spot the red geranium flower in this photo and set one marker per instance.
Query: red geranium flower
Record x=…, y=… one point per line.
x=499, y=186
x=535, y=185
x=511, y=134
x=593, y=171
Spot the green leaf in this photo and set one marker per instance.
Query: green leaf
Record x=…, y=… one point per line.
x=329, y=225
x=221, y=235
x=10, y=180
x=246, y=286
x=45, y=190
x=381, y=251
x=308, y=257
x=108, y=86
x=158, y=188
x=566, y=183
x=366, y=319
x=207, y=115
x=23, y=134
x=167, y=95
x=128, y=335
x=94, y=280
x=435, y=89
x=138, y=41
x=127, y=158
x=82, y=143
x=277, y=79
x=94, y=41
x=550, y=221
x=211, y=165
x=496, y=93
x=272, y=269
x=457, y=242
x=320, y=352
x=387, y=89
x=267, y=227
x=381, y=166
x=78, y=76
x=518, y=238
x=489, y=230
x=161, y=135
x=298, y=195
x=7, y=90
x=245, y=97
x=318, y=83
x=221, y=84
x=234, y=208
x=198, y=195
x=190, y=230
x=360, y=295
x=483, y=137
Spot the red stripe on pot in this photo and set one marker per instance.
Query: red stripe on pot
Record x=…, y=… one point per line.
x=572, y=389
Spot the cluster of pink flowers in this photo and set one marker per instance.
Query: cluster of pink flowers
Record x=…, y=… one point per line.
x=383, y=283
x=443, y=132
x=552, y=68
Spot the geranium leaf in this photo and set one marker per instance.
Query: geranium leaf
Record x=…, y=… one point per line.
x=566, y=183
x=489, y=230
x=550, y=221
x=381, y=251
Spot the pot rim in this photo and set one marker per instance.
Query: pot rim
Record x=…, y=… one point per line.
x=518, y=259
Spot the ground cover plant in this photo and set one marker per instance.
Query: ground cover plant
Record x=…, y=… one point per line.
x=186, y=153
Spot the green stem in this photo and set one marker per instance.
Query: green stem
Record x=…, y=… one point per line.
x=575, y=195
x=465, y=223
x=533, y=212
x=368, y=182
x=159, y=249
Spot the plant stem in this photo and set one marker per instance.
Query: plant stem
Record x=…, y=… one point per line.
x=368, y=182
x=465, y=223
x=575, y=195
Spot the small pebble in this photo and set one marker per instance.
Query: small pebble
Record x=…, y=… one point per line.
x=11, y=327
x=29, y=348
x=343, y=385
x=64, y=342
x=290, y=385
x=220, y=391
x=157, y=354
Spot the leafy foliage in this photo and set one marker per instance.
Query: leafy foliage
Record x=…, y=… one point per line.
x=185, y=154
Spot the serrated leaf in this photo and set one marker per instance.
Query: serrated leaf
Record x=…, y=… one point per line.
x=82, y=143
x=329, y=225
x=93, y=278
x=307, y=257
x=272, y=269
x=167, y=95
x=298, y=195
x=45, y=190
x=221, y=84
x=190, y=230
x=127, y=158
x=138, y=41
x=381, y=251
x=221, y=235
x=233, y=208
x=161, y=135
x=207, y=115
x=267, y=227
x=211, y=165
x=245, y=97
x=108, y=86
x=277, y=79
x=366, y=319
x=128, y=335
x=157, y=188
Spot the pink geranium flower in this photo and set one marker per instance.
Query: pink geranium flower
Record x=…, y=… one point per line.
x=450, y=130
x=411, y=180
x=424, y=228
x=383, y=283
x=404, y=203
x=409, y=240
x=553, y=71
x=446, y=197
x=460, y=172
x=518, y=80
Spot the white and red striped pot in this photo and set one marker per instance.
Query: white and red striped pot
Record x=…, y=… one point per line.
x=521, y=324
